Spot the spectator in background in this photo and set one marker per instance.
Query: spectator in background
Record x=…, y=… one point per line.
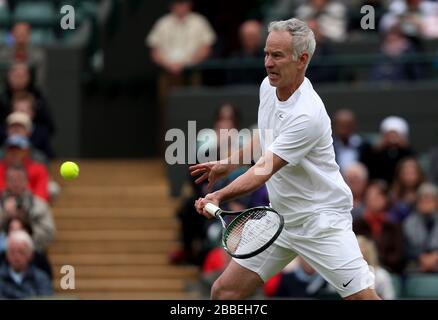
x=331, y=16
x=348, y=145
x=375, y=224
x=383, y=281
x=193, y=226
x=421, y=231
x=392, y=65
x=19, y=82
x=356, y=176
x=180, y=39
x=17, y=153
x=23, y=51
x=19, y=279
x=407, y=179
x=17, y=201
x=38, y=134
x=417, y=18
x=317, y=71
x=250, y=53
x=19, y=123
x=21, y=222
x=381, y=160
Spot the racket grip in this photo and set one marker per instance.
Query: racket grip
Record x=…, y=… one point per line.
x=212, y=209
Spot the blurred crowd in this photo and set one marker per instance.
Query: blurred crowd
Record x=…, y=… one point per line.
x=27, y=190
x=228, y=49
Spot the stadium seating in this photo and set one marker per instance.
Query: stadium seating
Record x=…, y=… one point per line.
x=116, y=226
x=421, y=286
x=39, y=13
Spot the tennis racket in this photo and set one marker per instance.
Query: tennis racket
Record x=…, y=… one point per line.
x=250, y=232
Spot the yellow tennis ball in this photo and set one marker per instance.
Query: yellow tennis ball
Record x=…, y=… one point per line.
x=69, y=170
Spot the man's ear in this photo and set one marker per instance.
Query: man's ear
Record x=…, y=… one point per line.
x=303, y=58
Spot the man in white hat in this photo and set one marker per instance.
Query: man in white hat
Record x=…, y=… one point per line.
x=382, y=159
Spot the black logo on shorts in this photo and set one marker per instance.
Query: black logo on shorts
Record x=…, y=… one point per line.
x=346, y=284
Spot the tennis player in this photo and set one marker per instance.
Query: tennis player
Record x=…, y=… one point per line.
x=302, y=177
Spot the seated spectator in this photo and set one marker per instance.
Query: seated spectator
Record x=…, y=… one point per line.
x=19, y=123
x=23, y=51
x=331, y=16
x=383, y=282
x=317, y=71
x=17, y=201
x=19, y=279
x=194, y=226
x=21, y=222
x=250, y=52
x=180, y=39
x=421, y=231
x=407, y=179
x=375, y=224
x=301, y=282
x=356, y=177
x=38, y=134
x=392, y=65
x=17, y=149
x=417, y=18
x=19, y=82
x=393, y=145
x=348, y=145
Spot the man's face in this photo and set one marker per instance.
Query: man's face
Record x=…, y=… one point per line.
x=250, y=36
x=280, y=66
x=344, y=125
x=19, y=255
x=17, y=129
x=24, y=106
x=16, y=182
x=181, y=9
x=15, y=156
x=19, y=77
x=21, y=32
x=356, y=182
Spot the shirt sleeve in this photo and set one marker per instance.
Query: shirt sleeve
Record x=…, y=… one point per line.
x=296, y=138
x=154, y=36
x=207, y=36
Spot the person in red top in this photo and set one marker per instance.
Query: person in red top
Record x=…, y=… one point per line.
x=17, y=153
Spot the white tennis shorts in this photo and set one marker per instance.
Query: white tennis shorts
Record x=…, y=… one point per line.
x=327, y=242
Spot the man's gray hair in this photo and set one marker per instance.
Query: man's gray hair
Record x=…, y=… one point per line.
x=303, y=39
x=20, y=236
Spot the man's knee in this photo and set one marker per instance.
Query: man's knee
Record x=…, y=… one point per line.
x=366, y=294
x=220, y=291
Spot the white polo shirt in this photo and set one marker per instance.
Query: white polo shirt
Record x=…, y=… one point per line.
x=299, y=131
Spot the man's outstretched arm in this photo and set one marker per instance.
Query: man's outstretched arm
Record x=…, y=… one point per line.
x=214, y=170
x=250, y=181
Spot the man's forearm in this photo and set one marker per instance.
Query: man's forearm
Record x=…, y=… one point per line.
x=246, y=183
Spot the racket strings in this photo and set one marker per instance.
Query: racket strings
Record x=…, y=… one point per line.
x=252, y=231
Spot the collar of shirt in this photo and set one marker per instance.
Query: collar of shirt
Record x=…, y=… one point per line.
x=16, y=276
x=294, y=97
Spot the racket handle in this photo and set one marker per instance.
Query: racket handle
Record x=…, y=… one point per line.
x=212, y=209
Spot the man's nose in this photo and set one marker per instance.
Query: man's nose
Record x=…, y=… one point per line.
x=268, y=62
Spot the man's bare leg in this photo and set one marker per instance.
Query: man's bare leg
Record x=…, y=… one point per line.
x=236, y=282
x=366, y=294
